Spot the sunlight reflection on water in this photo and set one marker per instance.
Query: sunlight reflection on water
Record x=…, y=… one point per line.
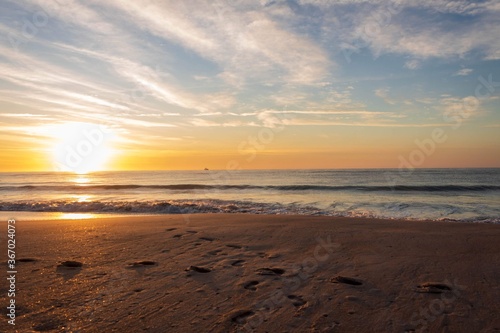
x=75, y=216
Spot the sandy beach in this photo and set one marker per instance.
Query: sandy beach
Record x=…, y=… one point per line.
x=254, y=273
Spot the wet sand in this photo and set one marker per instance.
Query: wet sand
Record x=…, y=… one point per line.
x=254, y=273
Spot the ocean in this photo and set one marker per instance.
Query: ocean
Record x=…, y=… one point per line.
x=463, y=195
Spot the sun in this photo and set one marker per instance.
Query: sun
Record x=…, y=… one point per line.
x=81, y=147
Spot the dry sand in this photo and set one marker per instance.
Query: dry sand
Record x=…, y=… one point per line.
x=255, y=273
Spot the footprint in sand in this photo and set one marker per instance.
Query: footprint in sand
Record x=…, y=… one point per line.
x=177, y=236
x=198, y=269
x=170, y=229
x=214, y=252
x=270, y=271
x=49, y=324
x=27, y=260
x=296, y=300
x=143, y=263
x=251, y=285
x=209, y=239
x=433, y=288
x=240, y=317
x=346, y=280
x=192, y=231
x=238, y=262
x=69, y=269
x=234, y=246
x=70, y=264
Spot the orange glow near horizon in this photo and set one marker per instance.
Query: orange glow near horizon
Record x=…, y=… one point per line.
x=318, y=160
x=97, y=150
x=447, y=158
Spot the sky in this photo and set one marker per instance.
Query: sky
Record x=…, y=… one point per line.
x=157, y=85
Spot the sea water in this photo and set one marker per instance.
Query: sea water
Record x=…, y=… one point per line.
x=466, y=195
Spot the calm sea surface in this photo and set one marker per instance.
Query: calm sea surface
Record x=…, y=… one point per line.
x=468, y=195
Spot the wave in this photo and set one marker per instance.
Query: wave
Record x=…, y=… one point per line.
x=395, y=210
x=158, y=207
x=194, y=187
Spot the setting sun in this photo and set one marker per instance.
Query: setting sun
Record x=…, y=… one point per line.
x=81, y=147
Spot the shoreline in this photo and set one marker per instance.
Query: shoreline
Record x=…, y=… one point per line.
x=256, y=273
x=59, y=216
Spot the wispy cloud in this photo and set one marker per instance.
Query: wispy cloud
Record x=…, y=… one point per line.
x=384, y=94
x=394, y=27
x=245, y=42
x=412, y=64
x=309, y=122
x=464, y=72
x=462, y=107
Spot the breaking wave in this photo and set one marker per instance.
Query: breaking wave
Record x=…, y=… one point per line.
x=388, y=211
x=194, y=187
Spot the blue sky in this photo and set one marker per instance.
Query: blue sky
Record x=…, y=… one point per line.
x=179, y=77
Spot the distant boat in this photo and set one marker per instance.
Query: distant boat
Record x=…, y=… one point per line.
x=206, y=169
